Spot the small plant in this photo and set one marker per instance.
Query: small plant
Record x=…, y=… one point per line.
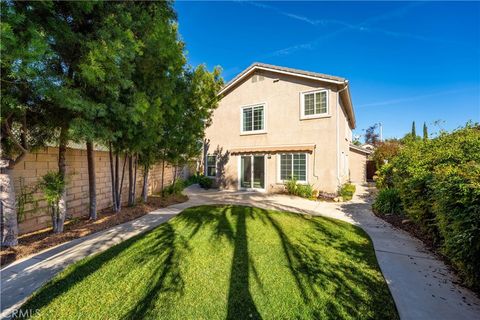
x=175, y=188
x=24, y=197
x=301, y=190
x=347, y=190
x=388, y=201
x=291, y=186
x=205, y=182
x=52, y=185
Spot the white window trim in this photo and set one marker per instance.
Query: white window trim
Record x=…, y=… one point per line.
x=279, y=177
x=264, y=130
x=313, y=116
x=206, y=165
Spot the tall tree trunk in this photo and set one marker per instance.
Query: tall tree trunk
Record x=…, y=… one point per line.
x=135, y=179
x=130, y=181
x=145, y=184
x=175, y=174
x=62, y=204
x=163, y=174
x=92, y=187
x=8, y=207
x=112, y=175
x=117, y=198
x=121, y=185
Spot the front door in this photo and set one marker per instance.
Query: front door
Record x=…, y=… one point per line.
x=252, y=172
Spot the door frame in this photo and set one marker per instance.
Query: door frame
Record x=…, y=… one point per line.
x=239, y=169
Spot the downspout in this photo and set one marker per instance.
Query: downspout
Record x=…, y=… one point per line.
x=337, y=132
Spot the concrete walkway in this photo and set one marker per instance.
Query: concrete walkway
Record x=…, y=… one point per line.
x=421, y=285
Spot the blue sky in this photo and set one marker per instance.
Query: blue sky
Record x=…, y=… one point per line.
x=406, y=61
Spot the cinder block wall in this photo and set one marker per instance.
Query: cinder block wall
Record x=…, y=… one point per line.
x=36, y=215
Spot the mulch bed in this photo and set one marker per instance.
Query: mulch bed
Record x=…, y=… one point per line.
x=33, y=242
x=398, y=222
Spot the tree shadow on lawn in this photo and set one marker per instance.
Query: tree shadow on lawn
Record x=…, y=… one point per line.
x=73, y=275
x=165, y=275
x=240, y=300
x=314, y=273
x=165, y=248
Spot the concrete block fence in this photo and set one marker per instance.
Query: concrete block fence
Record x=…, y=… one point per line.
x=27, y=173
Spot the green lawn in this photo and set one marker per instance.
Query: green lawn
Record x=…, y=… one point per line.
x=234, y=262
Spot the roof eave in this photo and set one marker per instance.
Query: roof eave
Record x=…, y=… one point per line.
x=254, y=67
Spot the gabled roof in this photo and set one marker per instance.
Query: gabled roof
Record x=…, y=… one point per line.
x=342, y=83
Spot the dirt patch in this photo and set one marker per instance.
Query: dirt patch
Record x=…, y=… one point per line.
x=36, y=241
x=398, y=221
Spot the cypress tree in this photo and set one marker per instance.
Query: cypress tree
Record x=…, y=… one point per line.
x=414, y=133
x=425, y=132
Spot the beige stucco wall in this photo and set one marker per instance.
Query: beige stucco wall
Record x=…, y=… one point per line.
x=358, y=166
x=283, y=127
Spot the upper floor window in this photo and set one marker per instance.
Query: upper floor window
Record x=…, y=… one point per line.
x=211, y=166
x=314, y=104
x=253, y=119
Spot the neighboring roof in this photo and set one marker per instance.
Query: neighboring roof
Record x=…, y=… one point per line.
x=360, y=149
x=343, y=88
x=273, y=149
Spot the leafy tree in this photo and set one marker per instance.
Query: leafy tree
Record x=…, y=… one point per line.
x=24, y=125
x=386, y=151
x=198, y=101
x=371, y=136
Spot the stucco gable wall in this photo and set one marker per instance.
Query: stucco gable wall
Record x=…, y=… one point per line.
x=281, y=95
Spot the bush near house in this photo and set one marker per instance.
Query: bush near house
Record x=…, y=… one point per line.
x=176, y=187
x=205, y=182
x=438, y=183
x=346, y=191
x=301, y=190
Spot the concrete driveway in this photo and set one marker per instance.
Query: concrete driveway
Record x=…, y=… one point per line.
x=421, y=285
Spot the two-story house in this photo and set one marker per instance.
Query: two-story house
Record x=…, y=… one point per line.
x=274, y=123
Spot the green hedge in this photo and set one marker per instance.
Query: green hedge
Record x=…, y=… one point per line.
x=438, y=182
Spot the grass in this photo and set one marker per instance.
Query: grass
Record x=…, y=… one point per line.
x=226, y=262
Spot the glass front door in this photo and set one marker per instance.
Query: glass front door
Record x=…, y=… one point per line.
x=252, y=172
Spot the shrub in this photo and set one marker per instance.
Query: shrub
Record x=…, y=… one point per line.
x=296, y=189
x=438, y=182
x=205, y=182
x=347, y=190
x=52, y=185
x=457, y=216
x=291, y=186
x=388, y=201
x=175, y=188
x=305, y=191
x=195, y=178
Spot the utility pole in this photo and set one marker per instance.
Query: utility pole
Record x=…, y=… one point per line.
x=381, y=131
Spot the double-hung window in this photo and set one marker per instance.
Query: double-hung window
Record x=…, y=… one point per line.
x=293, y=166
x=253, y=119
x=314, y=104
x=211, y=166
